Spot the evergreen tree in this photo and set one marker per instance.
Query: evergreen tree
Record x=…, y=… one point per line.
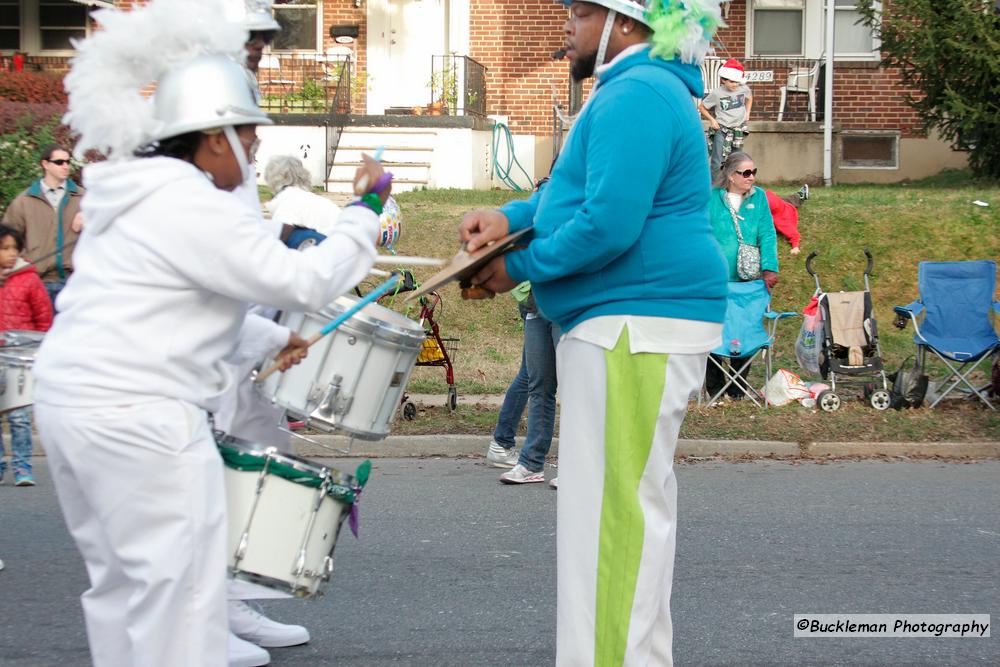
x=949, y=54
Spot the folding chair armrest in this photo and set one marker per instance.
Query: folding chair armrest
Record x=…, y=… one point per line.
x=771, y=315
x=912, y=310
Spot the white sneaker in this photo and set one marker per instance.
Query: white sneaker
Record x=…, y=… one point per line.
x=245, y=654
x=554, y=483
x=500, y=457
x=521, y=475
x=253, y=626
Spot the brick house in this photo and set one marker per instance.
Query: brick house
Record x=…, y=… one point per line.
x=423, y=77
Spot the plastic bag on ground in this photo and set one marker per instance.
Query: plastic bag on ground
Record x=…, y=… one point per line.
x=785, y=387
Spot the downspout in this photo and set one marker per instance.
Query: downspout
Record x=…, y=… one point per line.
x=828, y=96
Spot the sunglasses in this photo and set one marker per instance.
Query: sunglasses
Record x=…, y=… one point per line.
x=58, y=162
x=747, y=173
x=265, y=36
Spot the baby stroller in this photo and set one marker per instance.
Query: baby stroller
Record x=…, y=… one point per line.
x=850, y=352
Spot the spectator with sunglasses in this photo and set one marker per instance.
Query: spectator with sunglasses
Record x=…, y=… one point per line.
x=736, y=200
x=47, y=214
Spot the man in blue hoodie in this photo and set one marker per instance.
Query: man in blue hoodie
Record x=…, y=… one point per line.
x=622, y=257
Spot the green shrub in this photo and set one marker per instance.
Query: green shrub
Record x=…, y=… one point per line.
x=19, y=150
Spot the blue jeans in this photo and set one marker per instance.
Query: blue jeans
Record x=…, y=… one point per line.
x=53, y=288
x=534, y=385
x=20, y=440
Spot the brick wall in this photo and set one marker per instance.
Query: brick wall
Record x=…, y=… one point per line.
x=343, y=12
x=515, y=39
x=865, y=96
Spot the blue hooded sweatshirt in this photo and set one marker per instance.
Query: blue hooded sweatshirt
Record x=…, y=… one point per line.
x=622, y=227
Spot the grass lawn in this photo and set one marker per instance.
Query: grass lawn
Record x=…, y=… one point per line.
x=901, y=224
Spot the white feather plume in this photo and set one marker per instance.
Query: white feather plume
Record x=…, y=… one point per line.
x=130, y=51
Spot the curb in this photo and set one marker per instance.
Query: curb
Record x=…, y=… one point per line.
x=475, y=445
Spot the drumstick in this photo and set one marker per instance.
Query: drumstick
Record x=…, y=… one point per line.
x=400, y=260
x=337, y=321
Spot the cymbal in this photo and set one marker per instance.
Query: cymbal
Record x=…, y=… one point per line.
x=465, y=265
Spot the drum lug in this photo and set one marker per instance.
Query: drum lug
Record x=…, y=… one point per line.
x=21, y=379
x=300, y=564
x=241, y=550
x=327, y=568
x=333, y=403
x=3, y=379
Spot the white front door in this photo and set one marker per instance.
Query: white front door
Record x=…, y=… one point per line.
x=403, y=36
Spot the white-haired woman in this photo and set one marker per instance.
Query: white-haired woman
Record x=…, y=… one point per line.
x=294, y=204
x=166, y=265
x=738, y=204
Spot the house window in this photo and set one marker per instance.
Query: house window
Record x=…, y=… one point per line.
x=10, y=25
x=869, y=151
x=299, y=20
x=777, y=27
x=851, y=38
x=60, y=20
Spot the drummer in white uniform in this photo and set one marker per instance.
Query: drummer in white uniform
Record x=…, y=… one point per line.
x=168, y=261
x=242, y=411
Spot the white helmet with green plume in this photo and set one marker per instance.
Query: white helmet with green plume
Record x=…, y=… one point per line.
x=680, y=28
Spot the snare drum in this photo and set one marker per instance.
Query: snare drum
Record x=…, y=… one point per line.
x=17, y=356
x=285, y=513
x=354, y=377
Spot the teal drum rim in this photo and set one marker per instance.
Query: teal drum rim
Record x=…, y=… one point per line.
x=249, y=458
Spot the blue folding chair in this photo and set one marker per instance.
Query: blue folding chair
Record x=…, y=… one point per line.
x=956, y=304
x=751, y=324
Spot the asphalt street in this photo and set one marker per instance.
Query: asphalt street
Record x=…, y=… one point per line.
x=454, y=569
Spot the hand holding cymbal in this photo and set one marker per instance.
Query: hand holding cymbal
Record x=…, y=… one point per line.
x=467, y=265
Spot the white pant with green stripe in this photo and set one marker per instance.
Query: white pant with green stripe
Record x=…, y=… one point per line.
x=617, y=508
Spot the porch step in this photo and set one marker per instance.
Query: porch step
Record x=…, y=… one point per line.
x=394, y=138
x=400, y=171
x=345, y=186
x=394, y=156
x=406, y=152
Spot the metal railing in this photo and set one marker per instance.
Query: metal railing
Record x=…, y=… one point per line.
x=458, y=86
x=305, y=83
x=767, y=76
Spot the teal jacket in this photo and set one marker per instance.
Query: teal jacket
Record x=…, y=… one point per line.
x=757, y=228
x=622, y=227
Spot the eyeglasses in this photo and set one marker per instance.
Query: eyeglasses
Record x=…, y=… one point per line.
x=265, y=36
x=747, y=173
x=58, y=162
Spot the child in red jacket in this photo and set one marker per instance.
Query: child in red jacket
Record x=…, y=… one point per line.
x=24, y=304
x=785, y=213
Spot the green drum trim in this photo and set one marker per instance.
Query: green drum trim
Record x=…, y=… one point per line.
x=342, y=490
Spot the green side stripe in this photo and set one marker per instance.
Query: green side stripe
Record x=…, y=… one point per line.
x=634, y=390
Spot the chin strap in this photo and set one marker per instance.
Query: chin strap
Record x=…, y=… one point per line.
x=237, y=147
x=605, y=37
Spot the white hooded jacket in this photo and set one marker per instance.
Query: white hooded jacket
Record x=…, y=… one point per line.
x=163, y=273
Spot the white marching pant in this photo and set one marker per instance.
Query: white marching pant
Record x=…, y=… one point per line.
x=140, y=487
x=617, y=505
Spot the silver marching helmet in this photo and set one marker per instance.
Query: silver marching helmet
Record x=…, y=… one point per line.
x=207, y=92
x=253, y=15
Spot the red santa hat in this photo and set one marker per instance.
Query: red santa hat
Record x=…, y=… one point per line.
x=732, y=69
